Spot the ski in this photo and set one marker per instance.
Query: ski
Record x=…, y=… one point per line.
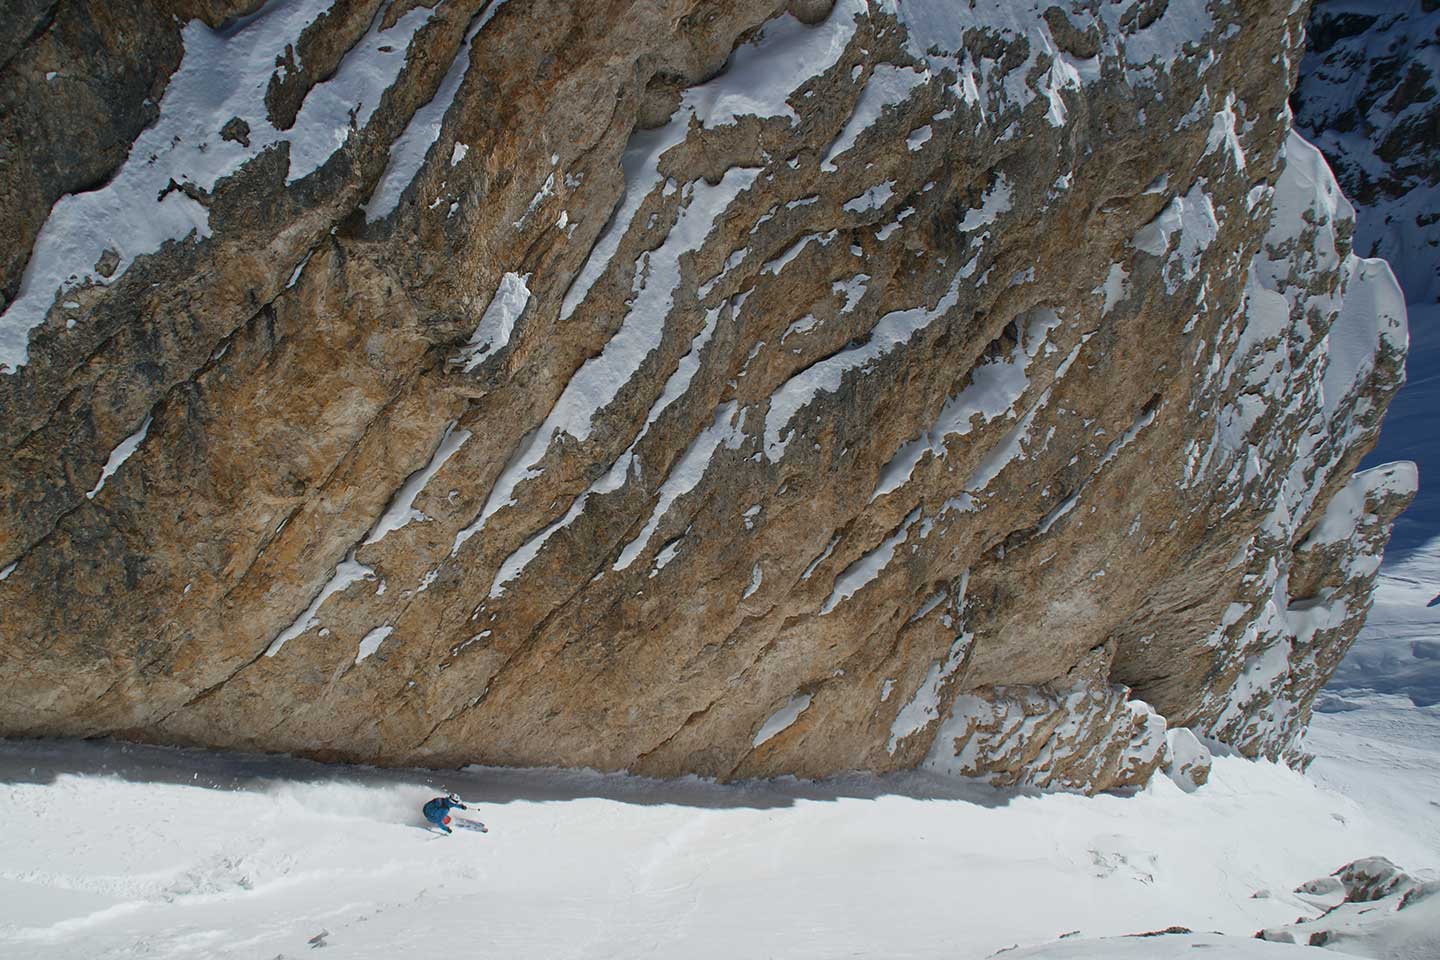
x=463, y=824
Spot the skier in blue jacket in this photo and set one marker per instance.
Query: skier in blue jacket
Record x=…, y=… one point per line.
x=437, y=811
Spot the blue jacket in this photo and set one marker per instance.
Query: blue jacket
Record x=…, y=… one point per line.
x=436, y=809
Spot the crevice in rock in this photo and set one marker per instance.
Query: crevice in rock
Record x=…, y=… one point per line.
x=41, y=27
x=189, y=381
x=689, y=721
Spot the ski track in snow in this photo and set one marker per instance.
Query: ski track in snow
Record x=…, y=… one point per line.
x=114, y=850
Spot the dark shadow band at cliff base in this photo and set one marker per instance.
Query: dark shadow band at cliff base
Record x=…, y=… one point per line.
x=46, y=761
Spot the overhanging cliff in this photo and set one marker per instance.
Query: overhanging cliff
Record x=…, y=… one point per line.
x=728, y=388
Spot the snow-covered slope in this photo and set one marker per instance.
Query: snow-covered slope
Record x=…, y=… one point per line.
x=1369, y=98
x=111, y=851
x=1398, y=650
x=1174, y=946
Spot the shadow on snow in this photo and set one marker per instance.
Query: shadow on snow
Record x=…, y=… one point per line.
x=46, y=761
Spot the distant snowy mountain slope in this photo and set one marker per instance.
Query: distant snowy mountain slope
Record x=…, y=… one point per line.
x=1369, y=97
x=1398, y=650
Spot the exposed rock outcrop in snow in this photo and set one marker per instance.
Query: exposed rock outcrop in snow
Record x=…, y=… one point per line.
x=971, y=373
x=1082, y=735
x=1171, y=946
x=1372, y=909
x=1369, y=908
x=1187, y=761
x=1296, y=408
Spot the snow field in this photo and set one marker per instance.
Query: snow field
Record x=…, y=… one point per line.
x=1398, y=649
x=1355, y=734
x=1166, y=948
x=114, y=851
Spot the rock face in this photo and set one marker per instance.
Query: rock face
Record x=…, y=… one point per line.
x=730, y=387
x=1369, y=98
x=1074, y=734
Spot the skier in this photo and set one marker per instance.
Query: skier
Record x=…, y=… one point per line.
x=437, y=811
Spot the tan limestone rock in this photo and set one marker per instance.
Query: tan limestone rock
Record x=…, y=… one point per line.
x=737, y=388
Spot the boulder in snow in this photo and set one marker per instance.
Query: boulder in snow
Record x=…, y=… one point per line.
x=1384, y=912
x=1187, y=759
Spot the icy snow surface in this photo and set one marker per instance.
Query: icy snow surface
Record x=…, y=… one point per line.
x=347, y=572
x=408, y=152
x=402, y=506
x=1170, y=947
x=497, y=323
x=782, y=718
x=923, y=708
x=887, y=85
x=1222, y=134
x=122, y=452
x=371, y=642
x=1192, y=218
x=872, y=199
x=1398, y=650
x=126, y=851
x=868, y=567
x=757, y=577
x=995, y=202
